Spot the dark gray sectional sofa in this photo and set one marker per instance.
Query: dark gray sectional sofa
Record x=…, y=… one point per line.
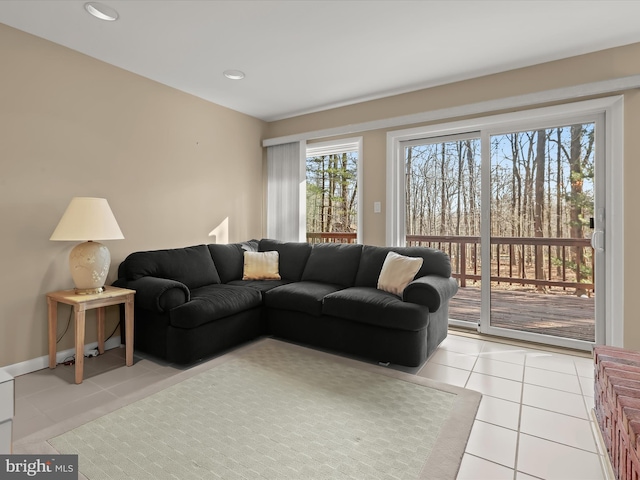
x=192, y=302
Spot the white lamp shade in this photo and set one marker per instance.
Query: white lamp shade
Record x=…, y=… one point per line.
x=87, y=218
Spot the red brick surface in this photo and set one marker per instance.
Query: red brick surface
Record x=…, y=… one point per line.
x=617, y=408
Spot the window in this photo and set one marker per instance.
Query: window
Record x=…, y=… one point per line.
x=332, y=194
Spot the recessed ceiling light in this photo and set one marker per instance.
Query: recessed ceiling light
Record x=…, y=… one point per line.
x=101, y=11
x=234, y=74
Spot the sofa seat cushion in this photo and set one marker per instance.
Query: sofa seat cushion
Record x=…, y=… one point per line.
x=214, y=302
x=376, y=307
x=261, y=285
x=303, y=297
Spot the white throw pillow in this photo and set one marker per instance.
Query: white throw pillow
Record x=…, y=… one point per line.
x=397, y=271
x=261, y=266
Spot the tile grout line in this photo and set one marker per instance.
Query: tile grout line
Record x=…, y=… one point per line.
x=489, y=461
x=515, y=462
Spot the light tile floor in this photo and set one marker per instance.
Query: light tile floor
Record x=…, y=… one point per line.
x=534, y=420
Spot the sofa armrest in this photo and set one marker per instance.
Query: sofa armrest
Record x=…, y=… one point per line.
x=430, y=291
x=157, y=294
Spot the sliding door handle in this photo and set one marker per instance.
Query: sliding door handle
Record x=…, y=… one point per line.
x=597, y=241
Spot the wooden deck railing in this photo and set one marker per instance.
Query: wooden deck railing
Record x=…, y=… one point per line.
x=543, y=262
x=539, y=261
x=331, y=237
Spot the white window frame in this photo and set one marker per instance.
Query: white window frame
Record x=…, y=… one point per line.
x=331, y=147
x=612, y=109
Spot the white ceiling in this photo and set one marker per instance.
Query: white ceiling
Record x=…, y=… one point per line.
x=302, y=56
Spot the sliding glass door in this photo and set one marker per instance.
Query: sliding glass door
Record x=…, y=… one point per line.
x=515, y=205
x=542, y=199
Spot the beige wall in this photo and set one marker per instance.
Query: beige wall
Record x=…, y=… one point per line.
x=173, y=168
x=607, y=64
x=631, y=216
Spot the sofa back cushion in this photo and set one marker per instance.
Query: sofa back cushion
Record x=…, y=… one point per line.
x=435, y=262
x=293, y=257
x=229, y=258
x=192, y=266
x=334, y=263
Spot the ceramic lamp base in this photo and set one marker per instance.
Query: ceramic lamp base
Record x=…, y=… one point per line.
x=89, y=263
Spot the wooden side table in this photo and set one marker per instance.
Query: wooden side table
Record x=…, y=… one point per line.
x=82, y=303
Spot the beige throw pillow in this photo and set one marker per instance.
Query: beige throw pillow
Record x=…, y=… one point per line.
x=261, y=266
x=397, y=271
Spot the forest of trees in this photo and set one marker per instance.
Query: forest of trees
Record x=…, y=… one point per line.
x=541, y=186
x=442, y=190
x=332, y=200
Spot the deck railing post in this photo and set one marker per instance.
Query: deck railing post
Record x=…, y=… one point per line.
x=463, y=264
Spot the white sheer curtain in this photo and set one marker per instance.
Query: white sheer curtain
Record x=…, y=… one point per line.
x=286, y=198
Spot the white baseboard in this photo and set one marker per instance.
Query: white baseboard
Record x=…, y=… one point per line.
x=39, y=363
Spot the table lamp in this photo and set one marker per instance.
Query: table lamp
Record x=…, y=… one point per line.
x=88, y=219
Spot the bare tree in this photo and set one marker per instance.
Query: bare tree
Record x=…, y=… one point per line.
x=575, y=197
x=541, y=151
x=443, y=197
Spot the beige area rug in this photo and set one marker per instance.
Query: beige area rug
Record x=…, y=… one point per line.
x=272, y=410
